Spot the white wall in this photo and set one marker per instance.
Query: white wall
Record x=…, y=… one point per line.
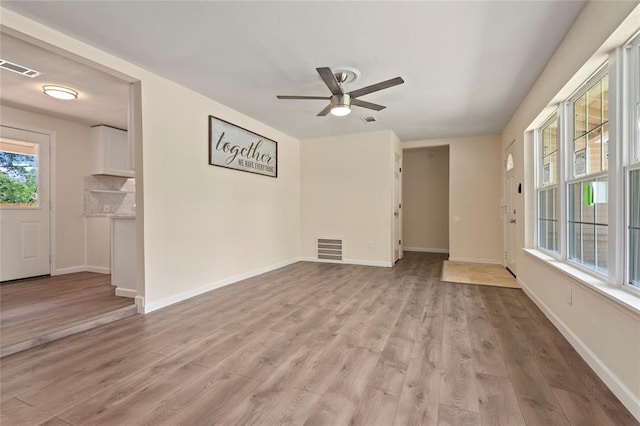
x=204, y=224
x=72, y=142
x=425, y=206
x=347, y=192
x=200, y=226
x=98, y=246
x=606, y=334
x=475, y=181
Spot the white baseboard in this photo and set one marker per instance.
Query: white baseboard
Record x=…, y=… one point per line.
x=475, y=260
x=361, y=262
x=69, y=270
x=619, y=389
x=125, y=292
x=158, y=304
x=426, y=250
x=82, y=268
x=140, y=304
x=98, y=269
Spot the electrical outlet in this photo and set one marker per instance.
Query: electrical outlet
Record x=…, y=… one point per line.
x=370, y=244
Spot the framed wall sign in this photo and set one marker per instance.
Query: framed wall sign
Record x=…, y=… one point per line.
x=236, y=148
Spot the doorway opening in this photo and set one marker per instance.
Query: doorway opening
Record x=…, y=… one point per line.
x=24, y=204
x=425, y=188
x=509, y=210
x=76, y=198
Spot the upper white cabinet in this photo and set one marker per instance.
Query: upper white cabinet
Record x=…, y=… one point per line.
x=111, y=152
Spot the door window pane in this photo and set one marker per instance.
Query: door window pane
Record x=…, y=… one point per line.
x=18, y=174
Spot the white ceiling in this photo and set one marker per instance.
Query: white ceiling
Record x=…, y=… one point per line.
x=467, y=65
x=102, y=99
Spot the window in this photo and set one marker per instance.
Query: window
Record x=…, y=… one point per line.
x=632, y=193
x=587, y=223
x=18, y=174
x=588, y=207
x=548, y=143
x=587, y=191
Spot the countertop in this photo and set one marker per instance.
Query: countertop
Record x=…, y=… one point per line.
x=111, y=215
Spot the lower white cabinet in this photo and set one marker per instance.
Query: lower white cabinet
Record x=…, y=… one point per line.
x=123, y=255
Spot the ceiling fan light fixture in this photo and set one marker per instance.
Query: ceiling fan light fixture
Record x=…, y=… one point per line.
x=340, y=110
x=60, y=92
x=340, y=105
x=341, y=102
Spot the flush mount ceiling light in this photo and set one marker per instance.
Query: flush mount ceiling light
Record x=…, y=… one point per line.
x=60, y=92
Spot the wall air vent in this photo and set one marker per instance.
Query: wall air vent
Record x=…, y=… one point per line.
x=10, y=66
x=329, y=249
x=369, y=119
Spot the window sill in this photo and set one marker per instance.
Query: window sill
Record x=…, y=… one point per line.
x=622, y=298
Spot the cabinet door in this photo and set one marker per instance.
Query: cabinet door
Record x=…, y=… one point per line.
x=111, y=152
x=118, y=154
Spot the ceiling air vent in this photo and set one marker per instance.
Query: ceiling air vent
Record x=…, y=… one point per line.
x=329, y=249
x=10, y=66
x=369, y=119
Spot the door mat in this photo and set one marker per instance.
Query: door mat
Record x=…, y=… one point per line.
x=478, y=273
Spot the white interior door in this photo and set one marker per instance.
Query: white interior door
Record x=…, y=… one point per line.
x=510, y=188
x=24, y=204
x=397, y=197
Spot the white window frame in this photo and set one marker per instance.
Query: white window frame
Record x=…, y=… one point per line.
x=631, y=123
x=568, y=177
x=541, y=186
x=623, y=69
x=626, y=283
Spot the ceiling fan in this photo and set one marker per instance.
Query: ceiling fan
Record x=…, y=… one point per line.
x=340, y=102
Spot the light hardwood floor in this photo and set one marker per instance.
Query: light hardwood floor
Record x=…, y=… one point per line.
x=318, y=344
x=31, y=308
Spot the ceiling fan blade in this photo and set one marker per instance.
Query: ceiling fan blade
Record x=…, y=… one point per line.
x=325, y=111
x=365, y=104
x=303, y=97
x=375, y=87
x=330, y=80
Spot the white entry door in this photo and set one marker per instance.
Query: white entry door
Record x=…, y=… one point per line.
x=24, y=204
x=510, y=189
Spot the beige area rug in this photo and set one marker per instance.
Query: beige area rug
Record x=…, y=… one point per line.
x=478, y=273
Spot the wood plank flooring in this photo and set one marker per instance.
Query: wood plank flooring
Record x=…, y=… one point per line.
x=30, y=308
x=318, y=344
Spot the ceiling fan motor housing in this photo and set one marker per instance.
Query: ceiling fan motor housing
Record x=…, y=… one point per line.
x=341, y=100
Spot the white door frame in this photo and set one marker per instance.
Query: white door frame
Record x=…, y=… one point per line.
x=52, y=186
x=509, y=203
x=397, y=209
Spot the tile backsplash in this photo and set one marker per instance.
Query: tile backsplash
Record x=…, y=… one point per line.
x=109, y=195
